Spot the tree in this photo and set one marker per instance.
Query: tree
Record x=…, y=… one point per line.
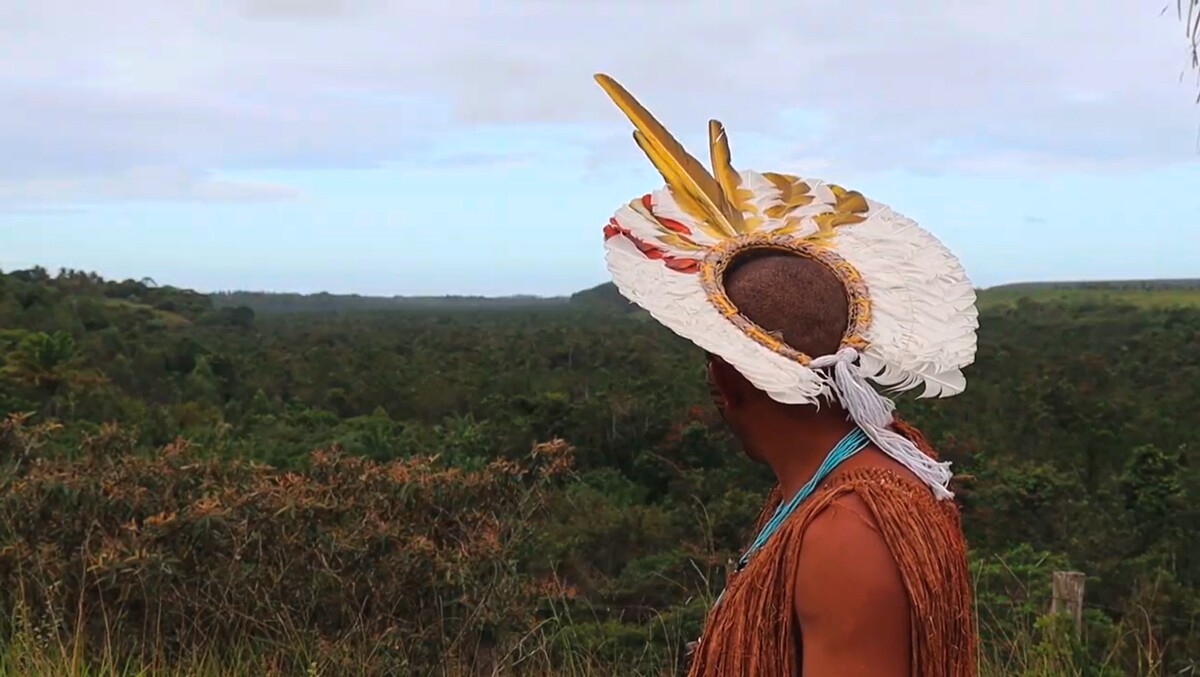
x=48, y=362
x=51, y=365
x=1152, y=488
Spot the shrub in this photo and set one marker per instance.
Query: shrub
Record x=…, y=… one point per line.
x=172, y=555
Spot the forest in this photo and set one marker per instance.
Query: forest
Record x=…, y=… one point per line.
x=280, y=484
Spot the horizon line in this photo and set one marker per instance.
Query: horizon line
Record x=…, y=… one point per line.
x=552, y=297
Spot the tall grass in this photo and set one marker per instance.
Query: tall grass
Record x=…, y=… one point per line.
x=1044, y=649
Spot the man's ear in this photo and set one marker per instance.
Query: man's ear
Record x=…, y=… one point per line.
x=728, y=383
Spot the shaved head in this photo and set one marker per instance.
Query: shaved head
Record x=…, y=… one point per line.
x=793, y=296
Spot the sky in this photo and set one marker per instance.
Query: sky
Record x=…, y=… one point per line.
x=410, y=148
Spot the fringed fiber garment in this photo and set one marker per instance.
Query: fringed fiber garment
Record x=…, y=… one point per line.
x=753, y=631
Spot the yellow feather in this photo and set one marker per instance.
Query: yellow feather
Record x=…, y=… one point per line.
x=728, y=178
x=792, y=193
x=691, y=184
x=677, y=240
x=666, y=235
x=827, y=221
x=782, y=182
x=790, y=226
x=781, y=210
x=848, y=201
x=683, y=199
x=787, y=184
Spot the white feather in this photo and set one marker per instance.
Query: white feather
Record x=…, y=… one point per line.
x=924, y=318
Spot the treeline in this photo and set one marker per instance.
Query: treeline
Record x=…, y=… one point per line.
x=271, y=302
x=1076, y=446
x=1109, y=285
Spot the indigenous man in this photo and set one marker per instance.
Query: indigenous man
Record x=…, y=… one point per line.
x=802, y=293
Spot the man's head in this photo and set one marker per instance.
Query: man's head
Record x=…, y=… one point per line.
x=796, y=297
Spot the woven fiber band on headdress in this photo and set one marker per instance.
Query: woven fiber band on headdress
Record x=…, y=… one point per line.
x=718, y=260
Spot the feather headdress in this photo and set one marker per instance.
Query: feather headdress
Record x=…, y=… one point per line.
x=912, y=309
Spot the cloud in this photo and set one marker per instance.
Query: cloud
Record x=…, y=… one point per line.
x=305, y=9
x=55, y=130
x=143, y=183
x=39, y=210
x=94, y=96
x=476, y=161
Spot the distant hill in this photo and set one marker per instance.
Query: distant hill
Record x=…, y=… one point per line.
x=1183, y=292
x=1108, y=285
x=270, y=302
x=603, y=295
x=1161, y=293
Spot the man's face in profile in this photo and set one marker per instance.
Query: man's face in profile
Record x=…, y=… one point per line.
x=723, y=384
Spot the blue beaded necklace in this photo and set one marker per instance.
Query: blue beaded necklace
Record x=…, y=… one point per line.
x=851, y=444
x=854, y=441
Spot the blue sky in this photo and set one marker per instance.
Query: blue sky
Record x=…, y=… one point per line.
x=372, y=147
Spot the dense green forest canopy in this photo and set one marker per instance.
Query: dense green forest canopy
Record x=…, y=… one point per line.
x=1076, y=445
x=1169, y=292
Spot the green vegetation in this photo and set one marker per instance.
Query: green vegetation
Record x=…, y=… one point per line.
x=268, y=302
x=1160, y=293
x=1144, y=293
x=539, y=487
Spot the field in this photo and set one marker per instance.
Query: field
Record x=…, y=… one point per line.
x=254, y=484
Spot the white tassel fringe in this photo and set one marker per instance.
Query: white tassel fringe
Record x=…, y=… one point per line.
x=874, y=413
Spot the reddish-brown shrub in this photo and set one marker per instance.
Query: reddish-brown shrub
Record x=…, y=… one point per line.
x=178, y=551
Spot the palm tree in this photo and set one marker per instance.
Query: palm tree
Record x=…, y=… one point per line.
x=50, y=363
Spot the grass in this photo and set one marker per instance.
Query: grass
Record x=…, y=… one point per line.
x=1035, y=654
x=1038, y=645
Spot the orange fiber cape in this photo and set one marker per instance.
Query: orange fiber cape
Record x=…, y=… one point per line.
x=753, y=631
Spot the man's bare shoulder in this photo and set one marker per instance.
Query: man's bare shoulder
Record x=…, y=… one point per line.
x=850, y=599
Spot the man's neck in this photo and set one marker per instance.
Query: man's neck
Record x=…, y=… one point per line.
x=796, y=441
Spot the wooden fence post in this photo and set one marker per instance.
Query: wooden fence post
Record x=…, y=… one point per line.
x=1067, y=587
